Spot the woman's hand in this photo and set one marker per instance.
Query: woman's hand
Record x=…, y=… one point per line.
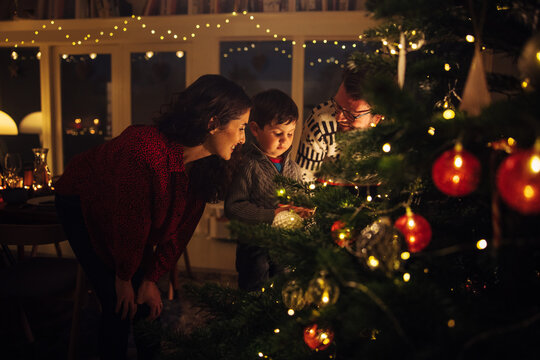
x=149, y=294
x=125, y=298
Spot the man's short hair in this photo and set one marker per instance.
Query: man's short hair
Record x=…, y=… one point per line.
x=352, y=81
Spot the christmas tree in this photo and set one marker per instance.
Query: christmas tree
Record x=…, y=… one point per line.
x=442, y=259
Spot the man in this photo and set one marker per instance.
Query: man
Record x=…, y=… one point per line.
x=345, y=111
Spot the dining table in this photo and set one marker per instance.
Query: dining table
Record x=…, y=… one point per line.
x=37, y=210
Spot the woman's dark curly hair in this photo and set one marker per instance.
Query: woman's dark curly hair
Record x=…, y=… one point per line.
x=188, y=122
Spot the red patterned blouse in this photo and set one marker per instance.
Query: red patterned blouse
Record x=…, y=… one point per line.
x=135, y=198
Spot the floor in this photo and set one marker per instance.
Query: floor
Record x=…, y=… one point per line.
x=51, y=323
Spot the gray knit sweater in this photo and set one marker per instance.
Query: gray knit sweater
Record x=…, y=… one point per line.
x=252, y=196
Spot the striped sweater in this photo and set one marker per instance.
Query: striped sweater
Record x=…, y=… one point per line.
x=318, y=140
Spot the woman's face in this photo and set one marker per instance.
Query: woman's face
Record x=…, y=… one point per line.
x=223, y=140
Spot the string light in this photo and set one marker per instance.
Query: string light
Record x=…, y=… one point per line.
x=469, y=38
x=405, y=255
x=481, y=244
x=431, y=131
x=449, y=114
x=386, y=147
x=406, y=277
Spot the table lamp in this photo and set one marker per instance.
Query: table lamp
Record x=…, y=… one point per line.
x=7, y=125
x=32, y=124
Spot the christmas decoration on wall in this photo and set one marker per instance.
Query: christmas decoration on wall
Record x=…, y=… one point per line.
x=529, y=61
x=416, y=230
x=341, y=234
x=288, y=220
x=518, y=180
x=456, y=172
x=293, y=295
x=318, y=338
x=379, y=246
x=322, y=290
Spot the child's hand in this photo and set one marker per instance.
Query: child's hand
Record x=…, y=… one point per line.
x=302, y=211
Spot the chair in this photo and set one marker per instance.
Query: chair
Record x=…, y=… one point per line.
x=41, y=277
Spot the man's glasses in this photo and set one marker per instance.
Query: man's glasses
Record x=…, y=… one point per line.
x=349, y=115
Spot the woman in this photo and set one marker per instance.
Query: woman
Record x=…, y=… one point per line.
x=130, y=206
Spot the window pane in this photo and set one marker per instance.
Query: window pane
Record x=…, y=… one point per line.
x=86, y=102
x=258, y=65
x=19, y=96
x=155, y=77
x=323, y=68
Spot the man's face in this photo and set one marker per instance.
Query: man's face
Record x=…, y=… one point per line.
x=352, y=114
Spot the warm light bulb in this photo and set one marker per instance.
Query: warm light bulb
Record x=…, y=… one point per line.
x=290, y=312
x=64, y=56
x=372, y=261
x=261, y=354
x=312, y=186
x=449, y=114
x=469, y=38
x=180, y=54
x=458, y=161
x=411, y=223
x=524, y=84
x=405, y=255
x=447, y=67
x=451, y=323
x=481, y=244
x=511, y=141
x=535, y=164
x=386, y=147
x=38, y=55
x=276, y=331
x=528, y=191
x=93, y=56
x=96, y=121
x=406, y=277
x=431, y=131
x=538, y=56
x=455, y=179
x=14, y=55
x=149, y=54
x=369, y=198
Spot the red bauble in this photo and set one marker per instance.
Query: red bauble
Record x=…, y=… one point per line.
x=518, y=181
x=415, y=229
x=341, y=234
x=317, y=338
x=456, y=172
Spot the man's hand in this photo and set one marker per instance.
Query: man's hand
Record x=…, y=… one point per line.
x=125, y=298
x=149, y=294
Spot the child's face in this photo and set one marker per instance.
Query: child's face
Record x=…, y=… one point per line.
x=274, y=139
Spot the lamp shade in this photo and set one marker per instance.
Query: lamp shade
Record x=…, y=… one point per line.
x=7, y=125
x=32, y=123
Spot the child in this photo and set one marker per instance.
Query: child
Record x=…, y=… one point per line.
x=252, y=195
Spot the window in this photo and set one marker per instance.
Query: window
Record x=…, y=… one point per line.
x=257, y=65
x=323, y=68
x=86, y=101
x=19, y=96
x=155, y=78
